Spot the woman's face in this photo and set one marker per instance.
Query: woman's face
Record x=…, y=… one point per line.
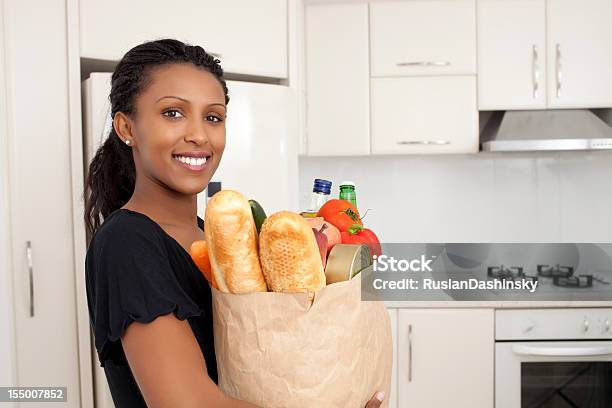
x=179, y=128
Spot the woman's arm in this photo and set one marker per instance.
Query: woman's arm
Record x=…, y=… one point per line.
x=169, y=368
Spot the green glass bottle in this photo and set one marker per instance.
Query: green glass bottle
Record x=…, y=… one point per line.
x=347, y=192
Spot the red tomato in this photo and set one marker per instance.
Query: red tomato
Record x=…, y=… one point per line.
x=356, y=234
x=340, y=213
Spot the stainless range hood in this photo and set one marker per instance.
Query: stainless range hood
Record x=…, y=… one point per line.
x=545, y=130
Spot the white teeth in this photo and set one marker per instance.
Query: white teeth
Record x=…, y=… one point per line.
x=192, y=161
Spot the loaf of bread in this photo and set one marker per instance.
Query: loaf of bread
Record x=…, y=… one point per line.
x=289, y=254
x=232, y=244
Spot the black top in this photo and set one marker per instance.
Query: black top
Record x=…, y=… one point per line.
x=135, y=271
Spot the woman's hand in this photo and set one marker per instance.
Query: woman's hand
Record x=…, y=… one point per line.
x=376, y=400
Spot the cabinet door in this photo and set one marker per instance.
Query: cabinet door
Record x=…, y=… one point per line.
x=511, y=61
x=424, y=115
x=41, y=229
x=337, y=80
x=579, y=53
x=445, y=358
x=423, y=37
x=393, y=397
x=250, y=37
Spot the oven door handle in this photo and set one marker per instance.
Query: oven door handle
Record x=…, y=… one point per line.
x=524, y=349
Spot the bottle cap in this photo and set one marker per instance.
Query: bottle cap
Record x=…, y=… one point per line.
x=347, y=183
x=322, y=186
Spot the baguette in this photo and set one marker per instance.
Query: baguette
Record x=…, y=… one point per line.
x=232, y=244
x=289, y=254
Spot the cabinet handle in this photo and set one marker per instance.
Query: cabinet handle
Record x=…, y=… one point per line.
x=536, y=72
x=558, y=68
x=424, y=64
x=529, y=350
x=409, y=353
x=423, y=142
x=31, y=275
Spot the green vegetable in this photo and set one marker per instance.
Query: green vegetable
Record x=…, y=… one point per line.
x=259, y=215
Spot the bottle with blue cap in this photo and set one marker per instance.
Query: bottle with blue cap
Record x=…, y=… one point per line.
x=320, y=194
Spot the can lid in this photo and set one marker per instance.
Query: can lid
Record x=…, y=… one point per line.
x=322, y=186
x=347, y=183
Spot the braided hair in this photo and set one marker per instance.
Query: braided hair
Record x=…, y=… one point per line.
x=111, y=175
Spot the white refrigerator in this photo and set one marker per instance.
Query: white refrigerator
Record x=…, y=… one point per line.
x=260, y=157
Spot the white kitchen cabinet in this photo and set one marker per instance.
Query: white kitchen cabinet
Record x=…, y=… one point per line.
x=579, y=53
x=36, y=131
x=424, y=115
x=445, y=358
x=250, y=37
x=544, y=54
x=337, y=79
x=511, y=54
x=423, y=37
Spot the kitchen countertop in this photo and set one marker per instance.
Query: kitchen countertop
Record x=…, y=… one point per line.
x=449, y=304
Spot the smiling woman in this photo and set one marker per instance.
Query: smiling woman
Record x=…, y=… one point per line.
x=150, y=307
x=166, y=98
x=186, y=123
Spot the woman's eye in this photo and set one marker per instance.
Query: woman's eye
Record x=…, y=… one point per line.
x=214, y=118
x=172, y=113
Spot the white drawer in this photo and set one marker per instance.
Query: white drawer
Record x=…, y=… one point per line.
x=423, y=37
x=424, y=115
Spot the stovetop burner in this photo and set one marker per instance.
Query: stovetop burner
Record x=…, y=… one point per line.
x=577, y=281
x=505, y=272
x=561, y=275
x=549, y=271
x=509, y=273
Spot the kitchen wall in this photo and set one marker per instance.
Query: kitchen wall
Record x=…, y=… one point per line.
x=485, y=197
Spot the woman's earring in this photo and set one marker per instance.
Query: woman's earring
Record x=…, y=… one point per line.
x=127, y=142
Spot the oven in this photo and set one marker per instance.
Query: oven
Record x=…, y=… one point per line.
x=553, y=358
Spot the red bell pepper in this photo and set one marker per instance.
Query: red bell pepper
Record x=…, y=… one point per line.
x=357, y=234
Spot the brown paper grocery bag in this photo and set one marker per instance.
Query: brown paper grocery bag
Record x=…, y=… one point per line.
x=278, y=350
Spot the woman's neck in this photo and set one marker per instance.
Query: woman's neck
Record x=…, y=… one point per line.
x=166, y=207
